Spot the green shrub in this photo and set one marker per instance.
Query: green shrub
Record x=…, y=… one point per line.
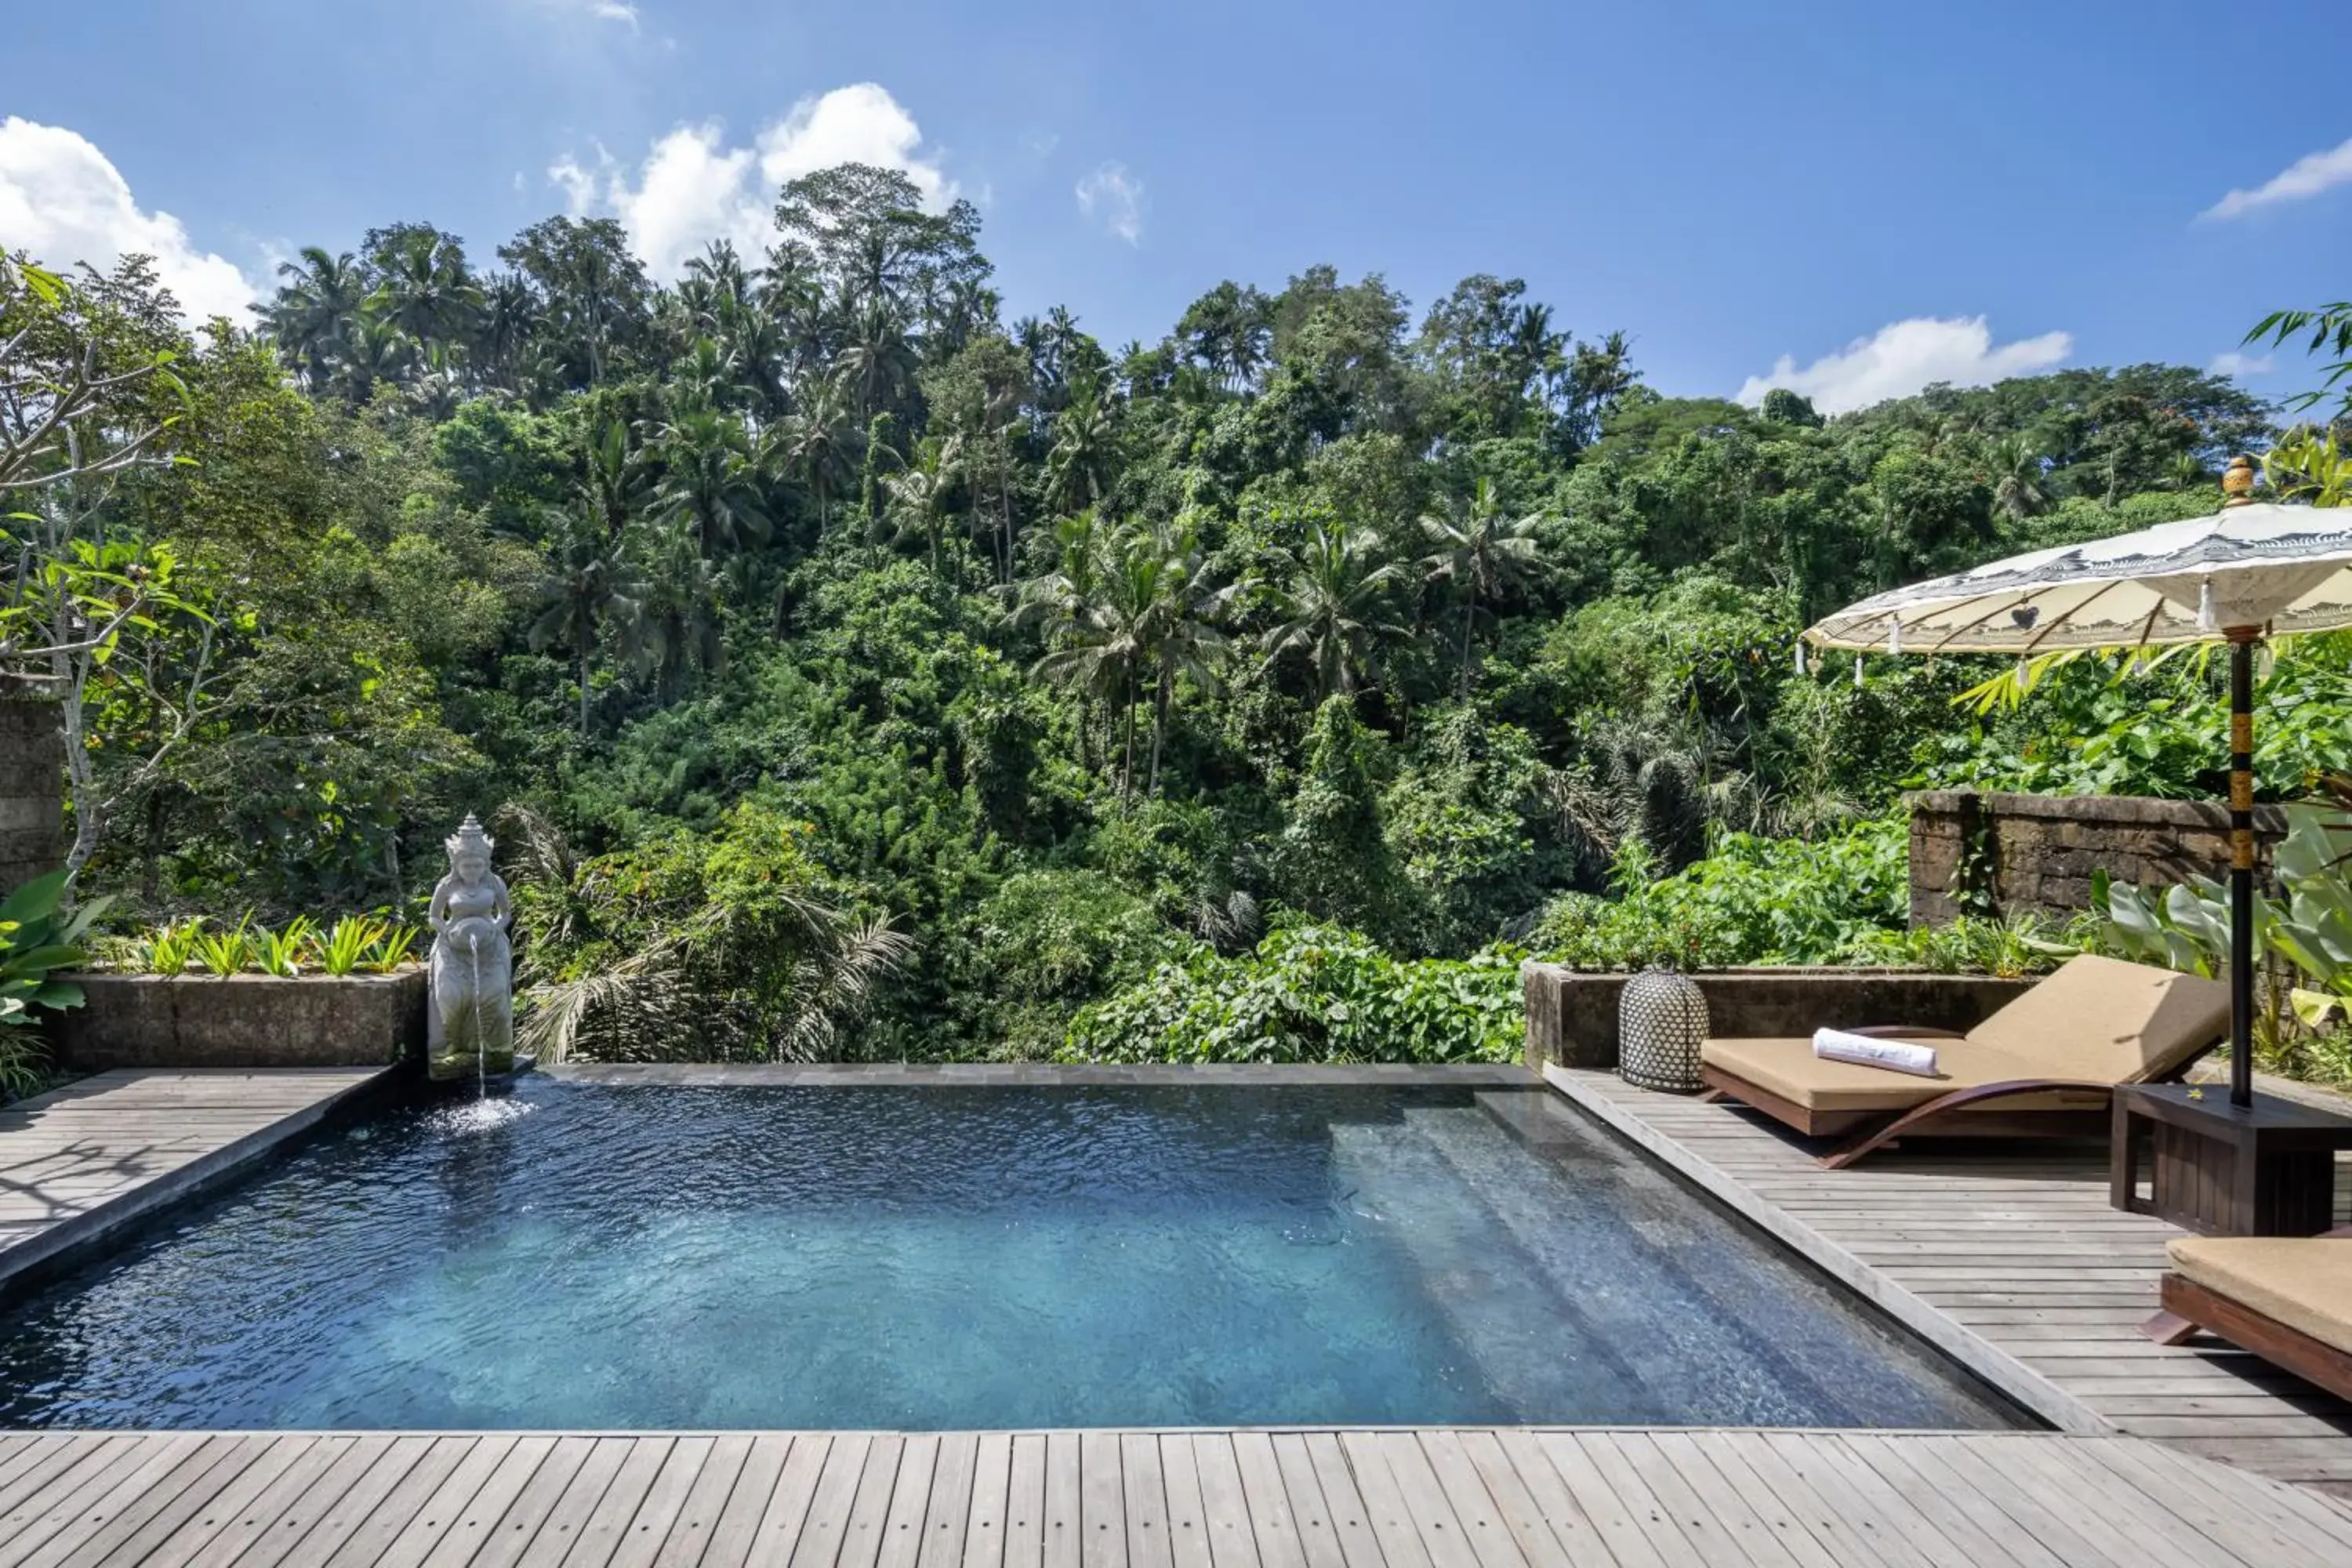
x=1310, y=993
x=38, y=938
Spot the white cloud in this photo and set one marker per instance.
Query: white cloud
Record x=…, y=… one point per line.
x=1904, y=356
x=2230, y=362
x=1116, y=196
x=2307, y=176
x=693, y=187
x=62, y=201
x=595, y=10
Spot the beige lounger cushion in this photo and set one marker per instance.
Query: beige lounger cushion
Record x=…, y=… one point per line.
x=2107, y=1021
x=2304, y=1282
x=1789, y=1068
x=2097, y=1020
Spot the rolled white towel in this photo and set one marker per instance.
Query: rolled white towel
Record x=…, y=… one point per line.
x=1897, y=1055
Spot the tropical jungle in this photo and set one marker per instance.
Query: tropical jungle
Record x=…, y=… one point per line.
x=847, y=672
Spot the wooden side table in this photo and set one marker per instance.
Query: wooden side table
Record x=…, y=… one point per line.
x=2266, y=1170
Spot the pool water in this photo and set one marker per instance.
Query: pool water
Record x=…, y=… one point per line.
x=584, y=1255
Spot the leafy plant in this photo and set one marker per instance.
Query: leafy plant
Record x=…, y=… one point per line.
x=173, y=947
x=343, y=948
x=281, y=952
x=37, y=940
x=1310, y=993
x=225, y=953
x=389, y=949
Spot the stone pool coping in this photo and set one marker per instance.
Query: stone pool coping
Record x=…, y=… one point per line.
x=870, y=1075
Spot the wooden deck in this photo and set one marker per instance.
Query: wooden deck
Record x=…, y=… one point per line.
x=106, y=1150
x=2010, y=1260
x=1512, y=1498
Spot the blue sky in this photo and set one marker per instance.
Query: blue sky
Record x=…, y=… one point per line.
x=1730, y=185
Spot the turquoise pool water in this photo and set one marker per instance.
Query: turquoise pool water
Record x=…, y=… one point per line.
x=587, y=1256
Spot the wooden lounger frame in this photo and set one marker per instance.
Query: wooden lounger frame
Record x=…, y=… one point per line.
x=1945, y=1116
x=2189, y=1307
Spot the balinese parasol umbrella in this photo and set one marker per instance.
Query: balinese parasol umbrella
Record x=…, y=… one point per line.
x=2252, y=570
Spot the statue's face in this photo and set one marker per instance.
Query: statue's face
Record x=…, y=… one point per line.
x=472, y=866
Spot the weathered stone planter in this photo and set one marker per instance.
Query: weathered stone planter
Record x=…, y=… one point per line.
x=1572, y=1014
x=242, y=1021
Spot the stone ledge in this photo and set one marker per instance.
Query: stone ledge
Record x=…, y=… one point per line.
x=1572, y=1013
x=2117, y=810
x=242, y=1021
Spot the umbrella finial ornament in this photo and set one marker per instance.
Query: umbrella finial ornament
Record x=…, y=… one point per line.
x=2238, y=481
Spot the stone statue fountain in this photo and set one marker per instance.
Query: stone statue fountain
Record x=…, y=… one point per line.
x=470, y=1025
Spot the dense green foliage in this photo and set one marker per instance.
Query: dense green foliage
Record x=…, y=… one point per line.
x=855, y=673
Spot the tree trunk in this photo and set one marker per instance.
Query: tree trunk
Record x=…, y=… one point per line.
x=1127, y=768
x=584, y=692
x=1159, y=728
x=1469, y=611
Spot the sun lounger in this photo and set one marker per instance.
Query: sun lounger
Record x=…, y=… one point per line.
x=2287, y=1298
x=2047, y=1064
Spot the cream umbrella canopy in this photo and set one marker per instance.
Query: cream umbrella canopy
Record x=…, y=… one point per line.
x=2251, y=571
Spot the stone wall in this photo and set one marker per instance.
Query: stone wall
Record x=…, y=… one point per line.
x=32, y=791
x=242, y=1021
x=1572, y=1014
x=2006, y=854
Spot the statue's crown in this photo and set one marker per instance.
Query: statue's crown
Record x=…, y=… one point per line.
x=469, y=837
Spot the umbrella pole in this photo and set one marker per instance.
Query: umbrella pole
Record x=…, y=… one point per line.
x=2241, y=864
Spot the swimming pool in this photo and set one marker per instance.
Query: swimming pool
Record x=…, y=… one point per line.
x=583, y=1256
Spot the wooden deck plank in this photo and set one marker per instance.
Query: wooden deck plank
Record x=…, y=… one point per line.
x=689, y=1533
x=1188, y=1518
x=413, y=1536
x=2011, y=1262
x=948, y=1513
x=910, y=1499
x=1143, y=1490
x=1310, y=1510
x=106, y=1527
x=992, y=1488
x=1393, y=1526
x=1480, y=1497
x=643, y=1535
x=1719, y=1451
x=462, y=1527
x=1490, y=1536
x=1604, y=1457
x=812, y=1478
x=219, y=1536
x=869, y=1507
x=93, y=1489
x=1063, y=1509
x=1024, y=1504
x=1273, y=1525
x=1102, y=1502
x=1714, y=1517
x=1224, y=1507
x=540, y=1525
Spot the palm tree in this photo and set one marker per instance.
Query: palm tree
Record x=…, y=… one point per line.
x=508, y=317
x=1143, y=610
x=817, y=443
x=1334, y=605
x=611, y=480
x=1481, y=552
x=427, y=291
x=312, y=313
x=1078, y=468
x=588, y=583
x=677, y=616
x=373, y=350
x=710, y=479
x=922, y=490
x=2019, y=478
x=880, y=363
